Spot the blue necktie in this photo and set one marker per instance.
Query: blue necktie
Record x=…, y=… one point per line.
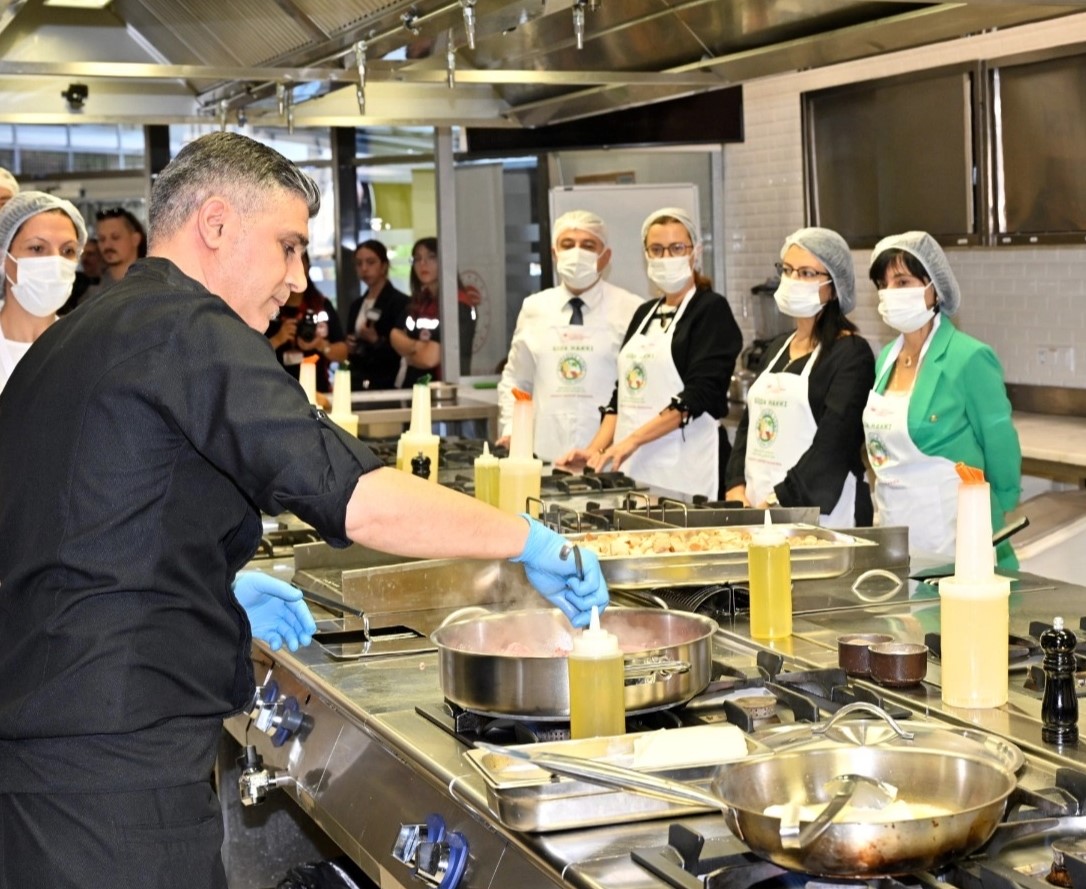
x=578, y=316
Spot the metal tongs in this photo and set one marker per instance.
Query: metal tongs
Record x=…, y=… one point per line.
x=564, y=552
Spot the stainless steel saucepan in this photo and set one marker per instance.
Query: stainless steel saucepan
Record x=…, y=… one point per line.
x=514, y=664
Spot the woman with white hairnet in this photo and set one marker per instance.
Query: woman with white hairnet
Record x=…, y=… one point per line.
x=939, y=399
x=41, y=237
x=661, y=426
x=800, y=441
x=565, y=345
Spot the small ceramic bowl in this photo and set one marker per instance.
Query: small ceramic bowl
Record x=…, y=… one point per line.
x=899, y=664
x=853, y=651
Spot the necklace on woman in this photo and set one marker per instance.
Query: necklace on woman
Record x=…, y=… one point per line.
x=907, y=360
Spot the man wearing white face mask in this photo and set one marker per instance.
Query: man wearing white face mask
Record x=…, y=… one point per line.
x=661, y=426
x=41, y=237
x=939, y=399
x=566, y=340
x=800, y=440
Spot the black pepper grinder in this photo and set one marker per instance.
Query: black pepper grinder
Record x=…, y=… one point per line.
x=1059, y=706
x=420, y=466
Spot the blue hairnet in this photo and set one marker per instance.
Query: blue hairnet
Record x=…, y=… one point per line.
x=927, y=250
x=833, y=252
x=30, y=203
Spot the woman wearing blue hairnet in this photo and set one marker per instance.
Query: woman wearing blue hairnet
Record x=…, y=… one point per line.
x=41, y=237
x=800, y=440
x=939, y=399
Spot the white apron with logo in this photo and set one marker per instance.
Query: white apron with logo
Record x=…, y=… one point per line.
x=780, y=429
x=911, y=487
x=574, y=376
x=686, y=460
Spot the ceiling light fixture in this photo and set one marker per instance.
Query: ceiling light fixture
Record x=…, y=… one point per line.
x=79, y=4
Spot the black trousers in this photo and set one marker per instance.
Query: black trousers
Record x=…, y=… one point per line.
x=169, y=838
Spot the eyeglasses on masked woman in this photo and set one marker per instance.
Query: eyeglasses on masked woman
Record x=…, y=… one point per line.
x=659, y=251
x=803, y=273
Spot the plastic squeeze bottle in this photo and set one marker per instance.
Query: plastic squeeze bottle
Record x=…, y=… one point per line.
x=520, y=474
x=486, y=476
x=770, y=570
x=597, y=701
x=418, y=442
x=974, y=606
x=342, y=415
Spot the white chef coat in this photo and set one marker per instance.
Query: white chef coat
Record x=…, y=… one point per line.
x=11, y=353
x=686, y=460
x=911, y=488
x=569, y=369
x=782, y=427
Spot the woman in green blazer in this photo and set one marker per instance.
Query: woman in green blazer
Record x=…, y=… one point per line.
x=939, y=399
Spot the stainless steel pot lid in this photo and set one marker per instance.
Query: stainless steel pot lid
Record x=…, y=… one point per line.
x=884, y=731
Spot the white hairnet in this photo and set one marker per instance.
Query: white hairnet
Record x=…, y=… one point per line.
x=833, y=252
x=8, y=181
x=580, y=219
x=926, y=249
x=30, y=203
x=676, y=213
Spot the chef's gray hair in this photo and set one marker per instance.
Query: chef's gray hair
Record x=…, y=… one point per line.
x=580, y=219
x=239, y=168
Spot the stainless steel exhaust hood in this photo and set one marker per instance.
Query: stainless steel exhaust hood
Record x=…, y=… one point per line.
x=480, y=62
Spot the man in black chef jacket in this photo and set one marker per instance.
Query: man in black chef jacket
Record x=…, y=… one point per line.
x=130, y=495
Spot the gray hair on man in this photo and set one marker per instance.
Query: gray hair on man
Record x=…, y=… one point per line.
x=239, y=168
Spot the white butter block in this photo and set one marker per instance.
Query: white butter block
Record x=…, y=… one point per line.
x=690, y=745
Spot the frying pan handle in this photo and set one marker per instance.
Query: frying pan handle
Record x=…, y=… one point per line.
x=616, y=777
x=870, y=708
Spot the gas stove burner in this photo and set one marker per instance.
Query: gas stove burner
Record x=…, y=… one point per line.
x=470, y=727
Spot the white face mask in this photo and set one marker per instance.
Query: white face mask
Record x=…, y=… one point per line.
x=904, y=308
x=672, y=274
x=577, y=267
x=45, y=283
x=799, y=299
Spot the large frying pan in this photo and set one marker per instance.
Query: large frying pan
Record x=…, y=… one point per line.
x=514, y=664
x=972, y=785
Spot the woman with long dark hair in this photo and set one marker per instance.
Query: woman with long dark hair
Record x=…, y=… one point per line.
x=800, y=440
x=374, y=363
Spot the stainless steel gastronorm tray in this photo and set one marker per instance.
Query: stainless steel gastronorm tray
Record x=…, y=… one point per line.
x=527, y=798
x=830, y=558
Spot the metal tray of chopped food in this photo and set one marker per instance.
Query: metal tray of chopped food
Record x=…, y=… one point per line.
x=528, y=798
x=699, y=556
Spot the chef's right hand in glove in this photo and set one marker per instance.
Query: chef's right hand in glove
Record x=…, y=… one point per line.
x=555, y=574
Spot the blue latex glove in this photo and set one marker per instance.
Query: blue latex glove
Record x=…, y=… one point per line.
x=275, y=609
x=556, y=577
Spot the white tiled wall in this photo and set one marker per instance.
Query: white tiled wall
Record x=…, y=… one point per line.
x=1018, y=299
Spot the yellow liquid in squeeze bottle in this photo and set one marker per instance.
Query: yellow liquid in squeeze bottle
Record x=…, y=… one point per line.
x=520, y=474
x=486, y=476
x=770, y=569
x=597, y=690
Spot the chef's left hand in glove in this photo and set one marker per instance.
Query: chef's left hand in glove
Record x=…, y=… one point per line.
x=276, y=611
x=555, y=575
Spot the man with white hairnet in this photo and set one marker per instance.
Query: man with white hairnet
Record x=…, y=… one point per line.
x=8, y=187
x=939, y=399
x=567, y=339
x=41, y=237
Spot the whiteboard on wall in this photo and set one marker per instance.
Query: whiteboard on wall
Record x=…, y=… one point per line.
x=623, y=208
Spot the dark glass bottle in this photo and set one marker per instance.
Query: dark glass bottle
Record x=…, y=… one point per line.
x=1059, y=706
